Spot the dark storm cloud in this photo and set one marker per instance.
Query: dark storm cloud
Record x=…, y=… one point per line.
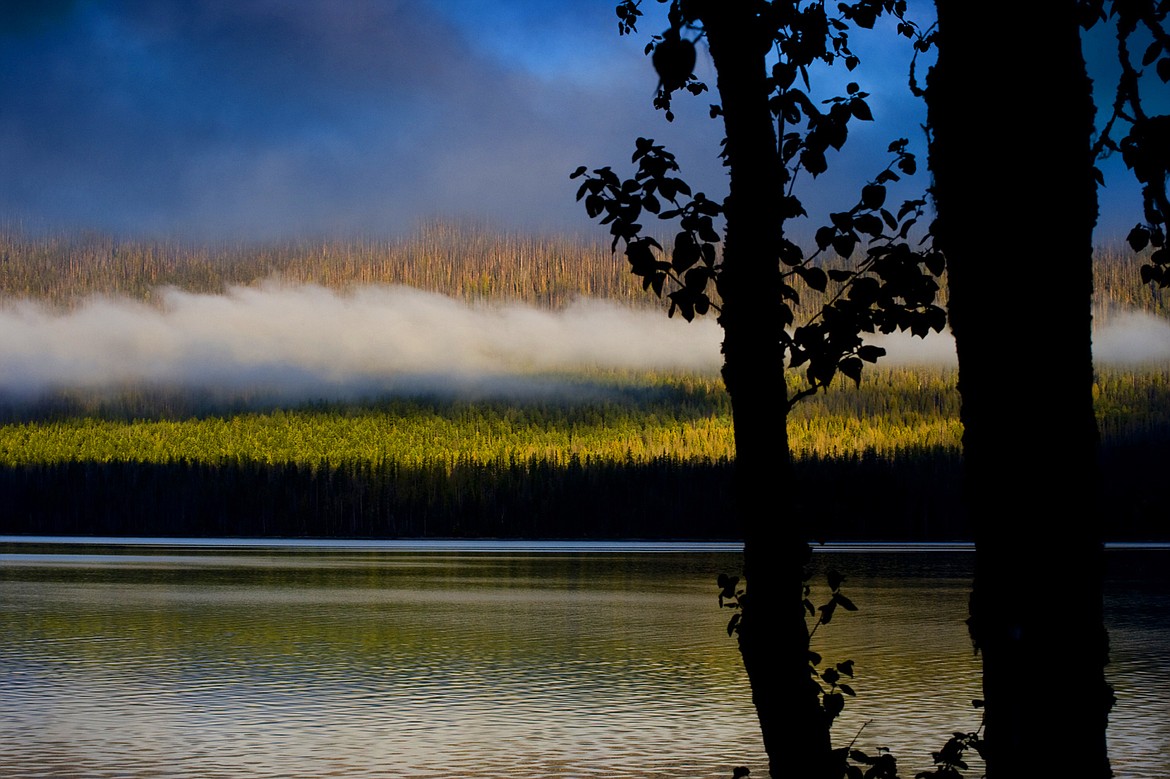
x=266, y=117
x=257, y=118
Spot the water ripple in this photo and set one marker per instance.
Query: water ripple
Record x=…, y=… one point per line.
x=510, y=666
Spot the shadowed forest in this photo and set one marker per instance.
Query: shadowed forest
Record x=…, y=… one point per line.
x=621, y=454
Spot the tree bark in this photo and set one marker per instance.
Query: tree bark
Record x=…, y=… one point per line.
x=1011, y=116
x=793, y=722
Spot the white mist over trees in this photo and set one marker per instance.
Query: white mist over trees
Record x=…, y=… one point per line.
x=308, y=342
x=305, y=342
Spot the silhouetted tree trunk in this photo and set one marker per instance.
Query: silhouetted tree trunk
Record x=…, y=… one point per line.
x=1012, y=117
x=795, y=728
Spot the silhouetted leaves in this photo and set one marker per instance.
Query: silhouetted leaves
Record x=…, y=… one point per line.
x=827, y=611
x=1138, y=238
x=883, y=766
x=627, y=13
x=1146, y=148
x=873, y=196
x=889, y=287
x=674, y=60
x=844, y=602
x=949, y=760
x=686, y=252
x=732, y=623
x=814, y=277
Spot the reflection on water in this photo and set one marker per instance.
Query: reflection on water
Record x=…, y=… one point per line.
x=310, y=663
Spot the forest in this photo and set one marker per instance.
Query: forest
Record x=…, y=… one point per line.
x=627, y=453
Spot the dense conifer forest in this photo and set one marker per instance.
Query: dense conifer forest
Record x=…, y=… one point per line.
x=631, y=454
x=464, y=261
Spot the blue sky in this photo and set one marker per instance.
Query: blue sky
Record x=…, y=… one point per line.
x=256, y=119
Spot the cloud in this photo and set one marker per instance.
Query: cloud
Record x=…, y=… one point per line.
x=259, y=119
x=1132, y=338
x=307, y=342
x=302, y=343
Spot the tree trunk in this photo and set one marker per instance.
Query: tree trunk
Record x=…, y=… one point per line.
x=1011, y=117
x=794, y=726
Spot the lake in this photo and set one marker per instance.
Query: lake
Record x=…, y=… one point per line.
x=485, y=660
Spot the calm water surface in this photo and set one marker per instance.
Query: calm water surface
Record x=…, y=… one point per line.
x=449, y=662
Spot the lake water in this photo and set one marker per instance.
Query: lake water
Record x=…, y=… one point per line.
x=484, y=661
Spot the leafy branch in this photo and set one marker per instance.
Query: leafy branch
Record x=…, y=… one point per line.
x=833, y=689
x=949, y=761
x=893, y=287
x=1145, y=150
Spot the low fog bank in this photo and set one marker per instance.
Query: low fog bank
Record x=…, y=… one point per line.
x=1130, y=338
x=310, y=343
x=307, y=343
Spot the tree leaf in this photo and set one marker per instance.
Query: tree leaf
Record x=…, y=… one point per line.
x=834, y=578
x=1151, y=53
x=864, y=16
x=686, y=252
x=869, y=224
x=844, y=602
x=813, y=161
x=695, y=280
x=790, y=253
x=873, y=196
x=657, y=282
x=733, y=623
x=814, y=277
x=851, y=367
x=842, y=220
x=845, y=244
x=1138, y=238
x=935, y=262
x=824, y=236
x=827, y=612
